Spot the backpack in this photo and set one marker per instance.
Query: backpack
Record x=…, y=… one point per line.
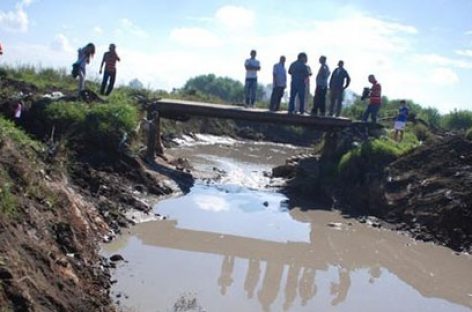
x=75, y=70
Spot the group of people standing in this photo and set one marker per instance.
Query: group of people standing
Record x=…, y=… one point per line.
x=337, y=81
x=109, y=60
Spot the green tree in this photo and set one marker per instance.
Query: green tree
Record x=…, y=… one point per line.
x=225, y=88
x=458, y=120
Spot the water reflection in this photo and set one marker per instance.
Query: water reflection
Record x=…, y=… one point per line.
x=294, y=266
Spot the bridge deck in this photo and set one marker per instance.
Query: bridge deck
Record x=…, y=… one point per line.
x=170, y=108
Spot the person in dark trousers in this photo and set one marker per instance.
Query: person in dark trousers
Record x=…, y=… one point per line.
x=319, y=101
x=84, y=57
x=299, y=72
x=109, y=60
x=375, y=100
x=339, y=82
x=279, y=83
x=250, y=87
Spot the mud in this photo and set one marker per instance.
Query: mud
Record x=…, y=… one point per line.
x=427, y=193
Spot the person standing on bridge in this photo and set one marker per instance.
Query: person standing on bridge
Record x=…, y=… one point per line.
x=250, y=87
x=339, y=82
x=319, y=101
x=109, y=60
x=300, y=72
x=375, y=100
x=279, y=83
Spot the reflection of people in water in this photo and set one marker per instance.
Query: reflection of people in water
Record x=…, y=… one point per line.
x=341, y=289
x=252, y=277
x=225, y=279
x=307, y=286
x=291, y=286
x=271, y=284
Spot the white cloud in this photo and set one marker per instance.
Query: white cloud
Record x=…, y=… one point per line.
x=61, y=43
x=469, y=32
x=444, y=77
x=98, y=30
x=15, y=21
x=235, y=18
x=467, y=53
x=127, y=26
x=439, y=60
x=195, y=37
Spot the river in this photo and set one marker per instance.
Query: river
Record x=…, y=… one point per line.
x=234, y=245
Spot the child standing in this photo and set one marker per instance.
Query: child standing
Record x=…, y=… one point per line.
x=400, y=121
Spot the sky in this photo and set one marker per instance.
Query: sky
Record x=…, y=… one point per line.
x=419, y=50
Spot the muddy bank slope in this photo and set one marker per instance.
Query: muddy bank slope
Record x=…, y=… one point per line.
x=53, y=215
x=427, y=192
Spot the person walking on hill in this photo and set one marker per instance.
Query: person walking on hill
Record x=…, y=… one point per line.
x=299, y=72
x=375, y=100
x=85, y=55
x=1, y=49
x=279, y=83
x=339, y=81
x=319, y=101
x=109, y=60
x=250, y=88
x=400, y=121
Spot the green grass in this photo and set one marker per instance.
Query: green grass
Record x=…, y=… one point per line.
x=43, y=78
x=18, y=136
x=375, y=154
x=7, y=199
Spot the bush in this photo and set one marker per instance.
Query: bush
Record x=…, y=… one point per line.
x=106, y=124
x=421, y=132
x=468, y=134
x=65, y=116
x=373, y=156
x=458, y=120
x=9, y=130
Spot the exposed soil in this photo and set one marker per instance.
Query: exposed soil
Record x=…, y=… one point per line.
x=62, y=207
x=427, y=193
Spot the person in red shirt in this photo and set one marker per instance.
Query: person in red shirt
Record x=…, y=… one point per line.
x=1, y=49
x=375, y=100
x=109, y=59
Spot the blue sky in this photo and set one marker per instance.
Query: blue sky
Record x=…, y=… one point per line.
x=420, y=50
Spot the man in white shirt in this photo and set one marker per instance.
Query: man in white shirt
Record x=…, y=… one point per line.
x=250, y=88
x=279, y=84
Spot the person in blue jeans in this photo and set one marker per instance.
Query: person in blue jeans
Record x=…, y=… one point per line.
x=250, y=87
x=299, y=72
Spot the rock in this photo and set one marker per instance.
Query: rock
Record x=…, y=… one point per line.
x=284, y=171
x=116, y=258
x=266, y=204
x=5, y=274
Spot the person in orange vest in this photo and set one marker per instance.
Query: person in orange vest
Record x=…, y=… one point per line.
x=375, y=100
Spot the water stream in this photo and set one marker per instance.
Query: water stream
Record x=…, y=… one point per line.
x=233, y=245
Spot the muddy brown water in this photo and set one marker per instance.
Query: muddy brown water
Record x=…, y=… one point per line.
x=233, y=245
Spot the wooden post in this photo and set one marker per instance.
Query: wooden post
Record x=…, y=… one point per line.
x=154, y=144
x=151, y=142
x=159, y=146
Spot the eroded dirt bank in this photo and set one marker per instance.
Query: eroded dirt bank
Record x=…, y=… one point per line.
x=427, y=193
x=53, y=219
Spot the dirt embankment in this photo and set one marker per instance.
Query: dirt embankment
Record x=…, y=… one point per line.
x=427, y=193
x=54, y=214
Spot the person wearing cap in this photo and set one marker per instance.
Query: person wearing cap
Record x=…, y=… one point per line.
x=400, y=121
x=109, y=76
